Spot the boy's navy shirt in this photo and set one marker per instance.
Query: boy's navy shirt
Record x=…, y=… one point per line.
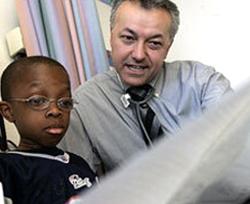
x=47, y=175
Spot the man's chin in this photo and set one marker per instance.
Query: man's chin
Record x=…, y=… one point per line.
x=133, y=79
x=134, y=82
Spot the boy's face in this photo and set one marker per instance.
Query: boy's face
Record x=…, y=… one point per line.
x=39, y=128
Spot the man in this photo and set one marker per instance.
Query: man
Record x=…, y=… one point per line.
x=107, y=126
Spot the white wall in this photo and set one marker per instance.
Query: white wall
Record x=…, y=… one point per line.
x=8, y=22
x=215, y=32
x=104, y=13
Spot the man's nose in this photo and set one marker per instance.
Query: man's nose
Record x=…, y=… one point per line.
x=139, y=52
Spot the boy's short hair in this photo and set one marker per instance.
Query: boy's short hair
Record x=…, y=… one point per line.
x=18, y=67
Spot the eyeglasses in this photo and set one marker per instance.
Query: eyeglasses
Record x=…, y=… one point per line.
x=40, y=103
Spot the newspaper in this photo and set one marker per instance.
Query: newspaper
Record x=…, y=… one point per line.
x=207, y=162
x=1, y=194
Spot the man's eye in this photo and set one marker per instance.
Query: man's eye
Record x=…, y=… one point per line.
x=155, y=45
x=37, y=101
x=127, y=39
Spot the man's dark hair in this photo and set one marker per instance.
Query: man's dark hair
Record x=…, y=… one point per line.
x=167, y=5
x=17, y=69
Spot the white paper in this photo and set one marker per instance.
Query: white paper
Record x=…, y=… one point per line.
x=193, y=167
x=1, y=194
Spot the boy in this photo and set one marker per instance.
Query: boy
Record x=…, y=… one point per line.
x=36, y=97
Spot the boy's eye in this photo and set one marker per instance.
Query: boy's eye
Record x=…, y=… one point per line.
x=37, y=101
x=66, y=103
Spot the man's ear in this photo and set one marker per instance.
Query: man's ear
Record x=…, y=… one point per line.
x=6, y=111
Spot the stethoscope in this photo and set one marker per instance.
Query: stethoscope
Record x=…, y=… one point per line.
x=139, y=96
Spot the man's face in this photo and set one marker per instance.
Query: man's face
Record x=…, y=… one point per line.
x=140, y=42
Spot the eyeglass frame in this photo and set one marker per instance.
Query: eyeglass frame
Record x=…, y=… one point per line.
x=46, y=104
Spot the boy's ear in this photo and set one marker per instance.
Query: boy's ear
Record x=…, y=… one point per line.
x=6, y=111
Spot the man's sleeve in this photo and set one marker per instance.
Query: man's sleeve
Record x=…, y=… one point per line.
x=214, y=86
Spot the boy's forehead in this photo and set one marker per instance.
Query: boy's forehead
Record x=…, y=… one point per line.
x=41, y=67
x=39, y=74
x=36, y=70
